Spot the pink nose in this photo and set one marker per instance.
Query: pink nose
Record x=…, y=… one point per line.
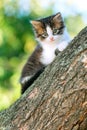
x=51, y=38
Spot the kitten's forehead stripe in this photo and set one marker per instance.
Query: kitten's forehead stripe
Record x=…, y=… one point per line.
x=49, y=31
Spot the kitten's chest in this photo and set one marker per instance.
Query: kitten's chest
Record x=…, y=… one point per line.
x=48, y=55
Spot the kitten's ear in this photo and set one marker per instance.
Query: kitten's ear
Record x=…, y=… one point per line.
x=58, y=17
x=36, y=24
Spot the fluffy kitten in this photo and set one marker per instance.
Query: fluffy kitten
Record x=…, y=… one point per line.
x=51, y=34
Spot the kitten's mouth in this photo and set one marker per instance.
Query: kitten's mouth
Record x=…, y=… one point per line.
x=52, y=39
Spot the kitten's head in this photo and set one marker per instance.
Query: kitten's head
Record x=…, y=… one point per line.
x=49, y=29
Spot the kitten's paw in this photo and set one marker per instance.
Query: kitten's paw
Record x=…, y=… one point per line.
x=57, y=52
x=25, y=79
x=62, y=45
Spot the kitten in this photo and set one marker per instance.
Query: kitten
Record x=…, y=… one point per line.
x=51, y=34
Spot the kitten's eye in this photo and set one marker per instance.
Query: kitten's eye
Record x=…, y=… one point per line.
x=55, y=31
x=44, y=34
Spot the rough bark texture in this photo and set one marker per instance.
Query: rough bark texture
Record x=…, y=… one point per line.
x=58, y=98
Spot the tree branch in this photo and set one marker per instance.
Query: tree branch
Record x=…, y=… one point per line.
x=58, y=98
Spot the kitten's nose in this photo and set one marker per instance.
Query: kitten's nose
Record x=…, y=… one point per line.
x=51, y=39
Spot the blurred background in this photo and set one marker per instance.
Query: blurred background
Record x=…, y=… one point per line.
x=17, y=38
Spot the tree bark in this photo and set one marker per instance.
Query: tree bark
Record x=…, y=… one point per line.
x=57, y=100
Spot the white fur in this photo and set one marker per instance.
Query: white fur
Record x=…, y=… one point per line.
x=49, y=31
x=48, y=54
x=60, y=42
x=25, y=79
x=65, y=39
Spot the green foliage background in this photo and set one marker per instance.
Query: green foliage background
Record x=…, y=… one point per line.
x=17, y=42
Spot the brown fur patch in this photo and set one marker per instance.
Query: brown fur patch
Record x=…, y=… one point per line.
x=40, y=31
x=38, y=27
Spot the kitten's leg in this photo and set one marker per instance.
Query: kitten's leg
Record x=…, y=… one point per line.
x=28, y=80
x=23, y=80
x=31, y=69
x=24, y=83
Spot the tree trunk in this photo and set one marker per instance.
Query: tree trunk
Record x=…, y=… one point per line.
x=57, y=100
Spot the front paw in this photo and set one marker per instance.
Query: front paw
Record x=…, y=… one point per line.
x=57, y=52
